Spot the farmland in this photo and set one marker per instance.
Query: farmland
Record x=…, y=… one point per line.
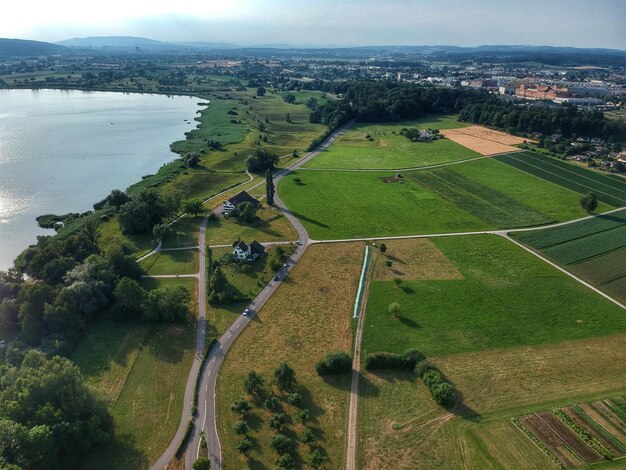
x=386, y=148
x=316, y=298
x=580, y=434
x=483, y=140
x=498, y=278
x=609, y=189
x=594, y=249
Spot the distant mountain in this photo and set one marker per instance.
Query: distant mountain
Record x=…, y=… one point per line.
x=111, y=41
x=10, y=48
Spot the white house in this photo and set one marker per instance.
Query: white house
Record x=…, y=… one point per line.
x=243, y=251
x=234, y=201
x=425, y=135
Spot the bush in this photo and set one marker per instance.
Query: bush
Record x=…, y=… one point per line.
x=443, y=394
x=411, y=358
x=272, y=403
x=424, y=366
x=334, y=363
x=294, y=399
x=281, y=444
x=385, y=360
x=240, y=427
x=432, y=378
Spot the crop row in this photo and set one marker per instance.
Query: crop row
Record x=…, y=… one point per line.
x=617, y=288
x=574, y=181
x=485, y=203
x=553, y=236
x=604, y=268
x=587, y=247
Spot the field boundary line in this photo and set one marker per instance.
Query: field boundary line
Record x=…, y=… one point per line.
x=429, y=167
x=563, y=270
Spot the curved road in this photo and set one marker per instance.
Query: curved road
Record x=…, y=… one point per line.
x=206, y=419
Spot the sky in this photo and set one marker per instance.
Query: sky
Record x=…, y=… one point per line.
x=577, y=23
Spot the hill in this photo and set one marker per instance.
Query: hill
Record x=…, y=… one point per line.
x=10, y=48
x=110, y=41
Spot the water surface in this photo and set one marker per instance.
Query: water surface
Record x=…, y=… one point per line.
x=62, y=151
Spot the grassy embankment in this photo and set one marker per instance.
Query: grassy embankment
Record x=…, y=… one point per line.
x=309, y=315
x=464, y=302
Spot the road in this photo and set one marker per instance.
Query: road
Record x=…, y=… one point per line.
x=206, y=420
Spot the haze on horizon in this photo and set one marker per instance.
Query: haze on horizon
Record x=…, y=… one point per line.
x=576, y=23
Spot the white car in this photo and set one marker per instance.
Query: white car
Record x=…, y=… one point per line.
x=246, y=312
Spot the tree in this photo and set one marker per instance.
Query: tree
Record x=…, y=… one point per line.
x=284, y=462
x=281, y=444
x=261, y=160
x=287, y=117
x=91, y=231
x=303, y=416
x=383, y=248
x=388, y=263
x=218, y=281
x=254, y=383
x=241, y=406
x=272, y=403
x=162, y=231
x=277, y=420
x=284, y=376
x=443, y=394
x=397, y=281
x=202, y=463
x=245, y=212
x=169, y=303
x=394, y=309
x=129, y=298
x=141, y=214
x=244, y=445
x=240, y=427
x=307, y=436
x=260, y=91
x=589, y=202
x=294, y=399
x=289, y=98
x=269, y=187
x=194, y=207
x=315, y=459
x=295, y=154
x=117, y=199
x=334, y=363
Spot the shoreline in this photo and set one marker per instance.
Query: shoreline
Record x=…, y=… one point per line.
x=202, y=105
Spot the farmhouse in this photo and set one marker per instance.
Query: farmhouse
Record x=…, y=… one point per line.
x=234, y=201
x=246, y=252
x=425, y=135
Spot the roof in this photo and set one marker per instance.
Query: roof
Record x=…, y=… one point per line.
x=256, y=247
x=242, y=246
x=242, y=197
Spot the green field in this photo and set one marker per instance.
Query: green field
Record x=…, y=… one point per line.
x=488, y=309
x=388, y=149
x=140, y=369
x=348, y=205
x=609, y=188
x=171, y=262
x=594, y=249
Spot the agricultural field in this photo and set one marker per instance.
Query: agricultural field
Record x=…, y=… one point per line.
x=610, y=189
x=483, y=140
x=140, y=369
x=309, y=315
x=580, y=434
x=386, y=148
x=487, y=309
x=271, y=226
x=594, y=249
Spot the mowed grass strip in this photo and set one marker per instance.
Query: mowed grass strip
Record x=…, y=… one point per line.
x=171, y=262
x=495, y=208
x=335, y=205
x=578, y=179
x=490, y=307
x=386, y=148
x=309, y=315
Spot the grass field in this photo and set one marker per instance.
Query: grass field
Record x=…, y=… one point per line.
x=388, y=149
x=489, y=308
x=609, y=189
x=594, y=249
x=171, y=262
x=347, y=205
x=308, y=316
x=140, y=369
x=271, y=226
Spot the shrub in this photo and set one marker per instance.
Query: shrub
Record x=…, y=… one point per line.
x=383, y=360
x=202, y=463
x=244, y=445
x=307, y=436
x=432, y=378
x=294, y=399
x=443, y=394
x=240, y=427
x=284, y=462
x=423, y=366
x=388, y=263
x=303, y=416
x=241, y=406
x=277, y=420
x=334, y=363
x=272, y=403
x=281, y=443
x=411, y=358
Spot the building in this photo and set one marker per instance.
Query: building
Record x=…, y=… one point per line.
x=425, y=135
x=234, y=201
x=532, y=91
x=245, y=252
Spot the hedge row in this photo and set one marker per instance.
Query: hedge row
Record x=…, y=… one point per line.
x=440, y=389
x=385, y=360
x=334, y=363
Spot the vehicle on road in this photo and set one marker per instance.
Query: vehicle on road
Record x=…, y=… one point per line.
x=246, y=312
x=277, y=278
x=286, y=265
x=299, y=243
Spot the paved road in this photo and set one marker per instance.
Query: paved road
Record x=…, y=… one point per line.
x=207, y=418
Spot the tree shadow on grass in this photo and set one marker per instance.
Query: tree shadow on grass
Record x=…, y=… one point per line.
x=168, y=342
x=308, y=219
x=408, y=322
x=254, y=464
x=121, y=453
x=395, y=259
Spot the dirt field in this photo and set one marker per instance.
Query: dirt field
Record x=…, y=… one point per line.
x=550, y=439
x=417, y=259
x=482, y=140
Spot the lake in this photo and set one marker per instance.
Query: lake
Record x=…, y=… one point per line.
x=62, y=151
